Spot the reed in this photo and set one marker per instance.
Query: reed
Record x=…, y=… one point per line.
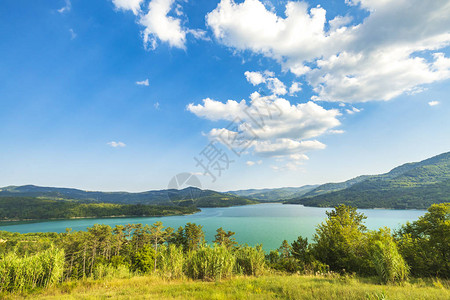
x=20, y=273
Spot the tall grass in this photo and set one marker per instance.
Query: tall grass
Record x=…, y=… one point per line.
x=389, y=264
x=23, y=273
x=171, y=261
x=108, y=271
x=250, y=260
x=210, y=262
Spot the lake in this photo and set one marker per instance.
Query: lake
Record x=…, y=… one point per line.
x=268, y=224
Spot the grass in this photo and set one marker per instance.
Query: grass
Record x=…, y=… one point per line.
x=264, y=287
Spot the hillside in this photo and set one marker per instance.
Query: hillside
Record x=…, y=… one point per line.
x=412, y=185
x=20, y=208
x=185, y=197
x=276, y=194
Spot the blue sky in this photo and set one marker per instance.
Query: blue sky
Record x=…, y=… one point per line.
x=371, y=90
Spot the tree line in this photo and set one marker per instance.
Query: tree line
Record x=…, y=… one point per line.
x=23, y=208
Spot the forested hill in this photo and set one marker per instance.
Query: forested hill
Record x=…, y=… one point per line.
x=275, y=194
x=184, y=197
x=22, y=208
x=412, y=185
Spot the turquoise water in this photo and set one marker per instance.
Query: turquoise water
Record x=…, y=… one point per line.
x=267, y=224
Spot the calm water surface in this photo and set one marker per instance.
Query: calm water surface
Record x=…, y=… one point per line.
x=268, y=224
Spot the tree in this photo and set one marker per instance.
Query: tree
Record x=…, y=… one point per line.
x=300, y=251
x=193, y=236
x=285, y=249
x=339, y=241
x=425, y=243
x=225, y=238
x=159, y=235
x=142, y=260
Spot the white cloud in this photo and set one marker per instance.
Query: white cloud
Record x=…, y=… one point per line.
x=295, y=87
x=275, y=86
x=67, y=7
x=255, y=78
x=159, y=25
x=143, y=82
x=286, y=146
x=336, y=131
x=274, y=126
x=215, y=110
x=73, y=35
x=133, y=5
x=353, y=110
x=252, y=163
x=156, y=105
x=199, y=34
x=378, y=59
x=117, y=144
x=433, y=103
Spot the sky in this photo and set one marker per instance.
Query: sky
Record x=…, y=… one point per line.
x=123, y=95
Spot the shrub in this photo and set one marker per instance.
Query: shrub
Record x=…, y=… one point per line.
x=250, y=260
x=210, y=262
x=143, y=260
x=388, y=263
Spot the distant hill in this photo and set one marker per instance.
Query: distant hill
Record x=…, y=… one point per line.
x=276, y=194
x=412, y=185
x=24, y=208
x=186, y=197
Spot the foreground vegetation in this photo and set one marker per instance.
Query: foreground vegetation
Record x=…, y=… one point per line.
x=271, y=286
x=343, y=252
x=23, y=208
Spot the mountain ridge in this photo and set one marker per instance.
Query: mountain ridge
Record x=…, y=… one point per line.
x=185, y=197
x=411, y=185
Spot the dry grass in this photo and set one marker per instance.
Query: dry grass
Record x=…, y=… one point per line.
x=264, y=287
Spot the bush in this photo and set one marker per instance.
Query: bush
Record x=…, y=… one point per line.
x=210, y=262
x=143, y=260
x=388, y=263
x=250, y=260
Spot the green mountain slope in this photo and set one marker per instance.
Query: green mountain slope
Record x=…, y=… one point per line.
x=185, y=197
x=23, y=208
x=276, y=194
x=412, y=185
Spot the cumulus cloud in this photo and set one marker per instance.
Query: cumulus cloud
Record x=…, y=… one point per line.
x=162, y=22
x=275, y=86
x=295, y=87
x=117, y=144
x=274, y=126
x=159, y=25
x=378, y=59
x=433, y=103
x=255, y=78
x=133, y=5
x=143, y=82
x=66, y=8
